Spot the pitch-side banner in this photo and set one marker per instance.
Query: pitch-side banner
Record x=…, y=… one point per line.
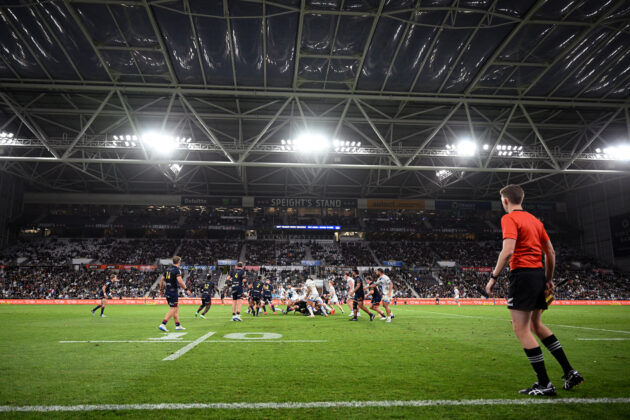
x=196, y=301
x=330, y=203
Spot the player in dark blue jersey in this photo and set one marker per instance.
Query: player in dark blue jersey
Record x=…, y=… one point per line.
x=255, y=292
x=358, y=295
x=170, y=281
x=103, y=293
x=267, y=298
x=236, y=278
x=207, y=291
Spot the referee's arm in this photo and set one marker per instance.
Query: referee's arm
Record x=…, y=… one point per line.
x=504, y=258
x=550, y=263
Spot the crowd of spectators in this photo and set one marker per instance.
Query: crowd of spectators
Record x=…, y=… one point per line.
x=356, y=254
x=64, y=283
x=290, y=253
x=328, y=253
x=261, y=252
x=411, y=253
x=207, y=252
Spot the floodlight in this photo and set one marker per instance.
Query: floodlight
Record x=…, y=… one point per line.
x=115, y=137
x=126, y=143
x=466, y=148
x=486, y=147
x=598, y=150
x=621, y=152
x=520, y=148
x=311, y=142
x=161, y=143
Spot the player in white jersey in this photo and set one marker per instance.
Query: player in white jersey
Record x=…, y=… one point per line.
x=332, y=296
x=349, y=288
x=456, y=292
x=313, y=298
x=388, y=291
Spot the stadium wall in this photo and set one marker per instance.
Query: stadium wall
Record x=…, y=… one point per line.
x=596, y=210
x=12, y=193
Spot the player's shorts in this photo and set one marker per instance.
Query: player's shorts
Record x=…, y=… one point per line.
x=333, y=300
x=376, y=300
x=102, y=296
x=359, y=296
x=527, y=289
x=206, y=299
x=172, y=299
x=256, y=299
x=267, y=301
x=315, y=299
x=386, y=299
x=237, y=293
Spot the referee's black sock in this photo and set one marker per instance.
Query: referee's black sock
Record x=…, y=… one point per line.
x=537, y=360
x=554, y=347
x=102, y=309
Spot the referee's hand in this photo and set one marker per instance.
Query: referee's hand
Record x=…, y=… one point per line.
x=490, y=286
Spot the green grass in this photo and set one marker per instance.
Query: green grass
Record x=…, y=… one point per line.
x=426, y=353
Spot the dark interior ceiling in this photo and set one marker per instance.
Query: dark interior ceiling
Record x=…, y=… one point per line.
x=405, y=78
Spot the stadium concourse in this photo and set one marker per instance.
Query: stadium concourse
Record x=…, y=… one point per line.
x=426, y=254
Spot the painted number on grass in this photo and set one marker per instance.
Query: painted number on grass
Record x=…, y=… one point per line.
x=253, y=336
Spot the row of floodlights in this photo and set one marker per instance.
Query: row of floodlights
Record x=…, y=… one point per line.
x=318, y=143
x=6, y=138
x=469, y=148
x=621, y=152
x=159, y=142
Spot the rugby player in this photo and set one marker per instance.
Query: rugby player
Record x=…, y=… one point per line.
x=237, y=278
x=333, y=299
x=207, y=291
x=357, y=294
x=387, y=288
x=104, y=293
x=172, y=279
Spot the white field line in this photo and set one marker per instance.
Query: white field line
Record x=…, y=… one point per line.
x=188, y=347
x=190, y=341
x=508, y=320
x=603, y=339
x=126, y=341
x=317, y=404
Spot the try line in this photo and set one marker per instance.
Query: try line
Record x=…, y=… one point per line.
x=317, y=404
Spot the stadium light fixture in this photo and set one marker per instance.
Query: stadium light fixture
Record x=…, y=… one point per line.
x=620, y=152
x=161, y=143
x=175, y=168
x=443, y=174
x=486, y=146
x=311, y=143
x=466, y=148
x=5, y=135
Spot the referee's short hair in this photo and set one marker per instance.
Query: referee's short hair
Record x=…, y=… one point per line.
x=514, y=193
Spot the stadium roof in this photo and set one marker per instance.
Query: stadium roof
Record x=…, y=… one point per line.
x=544, y=84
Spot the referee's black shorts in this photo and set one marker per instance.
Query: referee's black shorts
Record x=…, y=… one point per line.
x=527, y=289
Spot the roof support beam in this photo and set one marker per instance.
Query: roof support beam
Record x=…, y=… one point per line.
x=588, y=143
x=540, y=138
x=202, y=124
x=433, y=134
x=264, y=130
x=29, y=124
x=296, y=165
x=378, y=134
x=88, y=124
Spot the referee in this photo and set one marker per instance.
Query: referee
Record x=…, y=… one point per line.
x=524, y=243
